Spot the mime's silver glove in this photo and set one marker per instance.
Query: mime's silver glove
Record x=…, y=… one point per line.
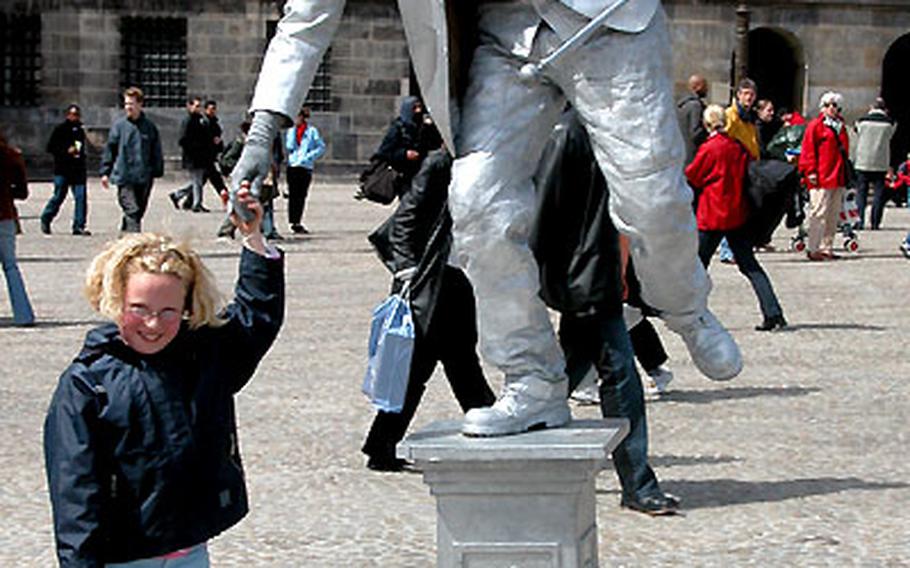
x=256, y=159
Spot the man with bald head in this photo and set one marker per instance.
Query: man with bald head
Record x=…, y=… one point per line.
x=689, y=110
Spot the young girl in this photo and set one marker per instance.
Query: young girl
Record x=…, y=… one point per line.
x=140, y=440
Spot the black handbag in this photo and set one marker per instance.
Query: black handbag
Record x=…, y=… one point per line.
x=850, y=180
x=380, y=182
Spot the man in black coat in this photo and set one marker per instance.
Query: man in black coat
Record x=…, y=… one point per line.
x=216, y=147
x=414, y=243
x=577, y=249
x=196, y=146
x=67, y=145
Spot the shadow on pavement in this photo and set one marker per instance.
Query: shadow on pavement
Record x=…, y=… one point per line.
x=733, y=393
x=46, y=259
x=50, y=324
x=725, y=492
x=836, y=326
x=673, y=461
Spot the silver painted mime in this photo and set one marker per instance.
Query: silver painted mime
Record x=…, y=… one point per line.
x=618, y=80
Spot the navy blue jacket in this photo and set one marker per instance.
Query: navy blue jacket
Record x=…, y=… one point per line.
x=132, y=154
x=141, y=450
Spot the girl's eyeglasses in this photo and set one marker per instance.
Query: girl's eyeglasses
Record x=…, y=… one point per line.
x=167, y=315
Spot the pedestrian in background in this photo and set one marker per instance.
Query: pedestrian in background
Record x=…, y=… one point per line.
x=823, y=162
x=132, y=160
x=401, y=146
x=140, y=440
x=196, y=155
x=688, y=111
x=741, y=118
x=873, y=161
x=580, y=264
x=719, y=172
x=13, y=185
x=216, y=147
x=67, y=146
x=767, y=122
x=414, y=243
x=304, y=146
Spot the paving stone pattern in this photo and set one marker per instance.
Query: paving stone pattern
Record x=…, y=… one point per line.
x=802, y=460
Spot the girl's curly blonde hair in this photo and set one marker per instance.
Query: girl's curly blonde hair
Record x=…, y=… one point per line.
x=105, y=281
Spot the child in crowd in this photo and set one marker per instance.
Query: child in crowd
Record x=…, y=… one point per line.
x=140, y=439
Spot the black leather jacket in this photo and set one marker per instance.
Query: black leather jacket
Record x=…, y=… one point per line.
x=573, y=238
x=141, y=450
x=418, y=235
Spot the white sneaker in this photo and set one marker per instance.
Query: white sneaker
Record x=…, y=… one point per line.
x=587, y=394
x=657, y=381
x=524, y=404
x=712, y=348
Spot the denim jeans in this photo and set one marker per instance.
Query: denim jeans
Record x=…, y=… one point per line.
x=193, y=190
x=197, y=557
x=602, y=341
x=268, y=219
x=741, y=245
x=726, y=253
x=18, y=297
x=59, y=196
x=877, y=179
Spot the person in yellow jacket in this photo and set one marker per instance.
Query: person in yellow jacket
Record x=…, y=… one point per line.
x=741, y=116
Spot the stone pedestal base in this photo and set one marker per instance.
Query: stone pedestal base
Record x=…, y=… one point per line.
x=525, y=500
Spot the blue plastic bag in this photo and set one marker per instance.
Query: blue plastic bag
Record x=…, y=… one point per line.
x=390, y=348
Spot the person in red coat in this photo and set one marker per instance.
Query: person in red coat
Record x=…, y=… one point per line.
x=717, y=173
x=823, y=163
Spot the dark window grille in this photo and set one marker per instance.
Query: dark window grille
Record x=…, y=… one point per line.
x=319, y=98
x=20, y=60
x=153, y=58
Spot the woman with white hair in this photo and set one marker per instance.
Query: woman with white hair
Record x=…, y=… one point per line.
x=717, y=173
x=823, y=162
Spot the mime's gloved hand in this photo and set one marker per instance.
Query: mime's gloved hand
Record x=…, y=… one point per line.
x=256, y=158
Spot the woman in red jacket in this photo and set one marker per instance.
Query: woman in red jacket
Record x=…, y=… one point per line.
x=717, y=173
x=822, y=161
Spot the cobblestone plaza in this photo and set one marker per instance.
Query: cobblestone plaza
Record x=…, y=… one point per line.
x=801, y=460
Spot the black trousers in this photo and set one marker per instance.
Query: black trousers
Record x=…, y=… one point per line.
x=298, y=187
x=451, y=340
x=134, y=200
x=649, y=350
x=741, y=244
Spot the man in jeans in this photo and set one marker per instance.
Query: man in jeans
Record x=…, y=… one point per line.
x=132, y=159
x=67, y=145
x=873, y=157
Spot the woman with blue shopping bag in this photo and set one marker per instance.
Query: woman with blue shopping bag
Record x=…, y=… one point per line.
x=414, y=243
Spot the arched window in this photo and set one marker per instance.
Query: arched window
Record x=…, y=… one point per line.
x=776, y=65
x=896, y=92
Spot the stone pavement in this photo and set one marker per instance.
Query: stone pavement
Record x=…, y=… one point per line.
x=802, y=460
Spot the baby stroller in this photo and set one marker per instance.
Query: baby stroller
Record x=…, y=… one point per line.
x=848, y=218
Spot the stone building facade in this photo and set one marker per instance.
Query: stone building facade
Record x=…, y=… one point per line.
x=85, y=50
x=83, y=56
